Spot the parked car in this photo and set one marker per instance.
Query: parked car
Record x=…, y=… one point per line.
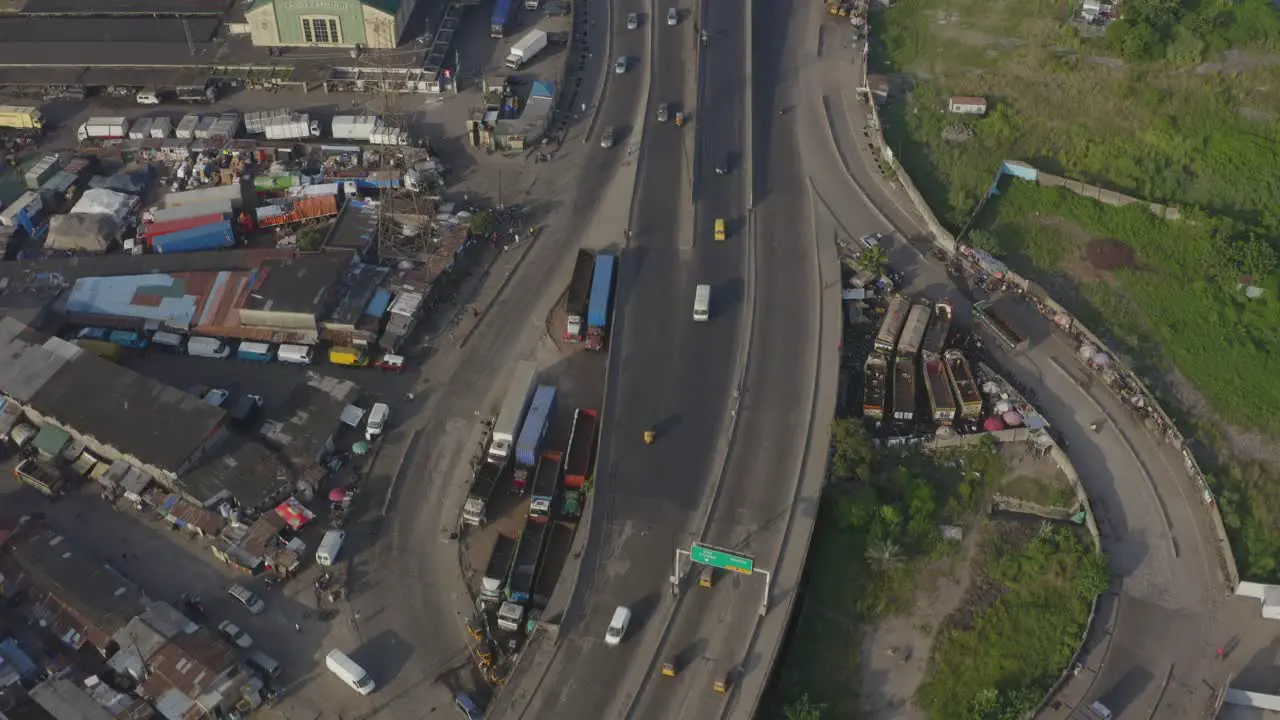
x=871, y=239
x=620, y=66
x=216, y=397
x=235, y=634
x=606, y=138
x=673, y=17
x=247, y=598
x=633, y=21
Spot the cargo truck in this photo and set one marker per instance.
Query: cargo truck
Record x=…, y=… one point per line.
x=894, y=318
x=354, y=127
x=904, y=366
x=874, y=373
x=935, y=338
x=475, y=509
x=255, y=123
x=21, y=120
x=350, y=356
x=41, y=476
x=500, y=18
x=307, y=208
x=528, y=556
x=994, y=315
x=598, y=308
x=498, y=569
x=546, y=480
x=579, y=293
x=941, y=400
x=519, y=392
x=561, y=537
x=103, y=128
x=962, y=384
x=526, y=48
x=534, y=429
x=292, y=127
x=577, y=464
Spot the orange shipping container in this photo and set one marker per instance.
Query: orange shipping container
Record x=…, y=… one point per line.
x=304, y=209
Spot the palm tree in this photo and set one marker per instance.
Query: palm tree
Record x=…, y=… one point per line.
x=885, y=555
x=875, y=260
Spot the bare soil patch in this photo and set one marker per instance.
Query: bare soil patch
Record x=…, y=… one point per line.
x=1107, y=254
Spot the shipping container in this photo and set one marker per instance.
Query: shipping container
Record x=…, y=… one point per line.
x=183, y=212
x=577, y=462
x=208, y=237
x=268, y=183
x=141, y=129
x=205, y=127
x=534, y=430
x=354, y=127
x=150, y=230
x=187, y=127
x=218, y=193
x=42, y=171
x=389, y=136
x=161, y=127
x=256, y=122
x=304, y=209
x=28, y=203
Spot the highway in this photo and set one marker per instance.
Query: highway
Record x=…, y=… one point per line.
x=667, y=373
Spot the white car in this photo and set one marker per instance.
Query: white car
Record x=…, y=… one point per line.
x=673, y=17
x=216, y=397
x=633, y=21
x=235, y=634
x=148, y=96
x=620, y=66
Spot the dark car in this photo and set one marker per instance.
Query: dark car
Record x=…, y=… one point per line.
x=468, y=707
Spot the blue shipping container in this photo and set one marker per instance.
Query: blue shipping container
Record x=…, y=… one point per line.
x=128, y=339
x=601, y=292
x=535, y=426
x=206, y=237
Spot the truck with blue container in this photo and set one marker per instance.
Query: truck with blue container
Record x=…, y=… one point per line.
x=214, y=236
x=601, y=298
x=535, y=425
x=500, y=19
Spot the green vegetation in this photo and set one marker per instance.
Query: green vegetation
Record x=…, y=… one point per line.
x=1155, y=110
x=483, y=225
x=997, y=660
x=876, y=527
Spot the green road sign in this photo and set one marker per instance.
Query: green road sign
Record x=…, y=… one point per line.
x=722, y=559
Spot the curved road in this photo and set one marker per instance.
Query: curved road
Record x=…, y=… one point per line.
x=1161, y=625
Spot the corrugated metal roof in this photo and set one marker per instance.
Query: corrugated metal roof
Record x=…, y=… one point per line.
x=65, y=700
x=159, y=298
x=23, y=368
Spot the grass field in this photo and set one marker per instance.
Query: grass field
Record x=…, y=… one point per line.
x=1178, y=104
x=1003, y=651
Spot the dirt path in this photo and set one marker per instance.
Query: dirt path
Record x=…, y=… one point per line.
x=895, y=651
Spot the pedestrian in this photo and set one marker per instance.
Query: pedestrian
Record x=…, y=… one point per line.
x=409, y=396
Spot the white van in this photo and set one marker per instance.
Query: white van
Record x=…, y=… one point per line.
x=330, y=546
x=350, y=673
x=377, y=422
x=617, y=626
x=702, y=303
x=208, y=347
x=294, y=354
x=173, y=341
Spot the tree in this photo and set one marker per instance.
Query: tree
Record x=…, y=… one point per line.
x=852, y=456
x=484, y=225
x=981, y=239
x=803, y=709
x=875, y=260
x=885, y=555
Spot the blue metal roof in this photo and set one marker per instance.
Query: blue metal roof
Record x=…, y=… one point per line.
x=115, y=296
x=379, y=303
x=543, y=89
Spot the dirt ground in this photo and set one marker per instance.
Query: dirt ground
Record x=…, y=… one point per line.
x=1033, y=478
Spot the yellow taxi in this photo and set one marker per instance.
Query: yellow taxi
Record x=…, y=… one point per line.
x=719, y=228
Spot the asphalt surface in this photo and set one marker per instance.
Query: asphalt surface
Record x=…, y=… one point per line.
x=714, y=628
x=667, y=372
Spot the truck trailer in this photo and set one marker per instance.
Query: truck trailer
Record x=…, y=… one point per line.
x=891, y=327
x=498, y=569
x=292, y=127
x=994, y=315
x=941, y=400
x=599, y=306
x=519, y=392
x=21, y=120
x=546, y=481
x=528, y=556
x=577, y=464
x=213, y=236
x=255, y=123
x=874, y=374
x=904, y=366
x=548, y=575
x=526, y=48
x=935, y=338
x=475, y=509
x=534, y=429
x=103, y=128
x=962, y=384
x=578, y=295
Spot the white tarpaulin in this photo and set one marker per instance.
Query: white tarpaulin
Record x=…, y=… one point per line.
x=91, y=233
x=99, y=201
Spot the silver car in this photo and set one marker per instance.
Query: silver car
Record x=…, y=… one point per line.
x=662, y=112
x=633, y=21
x=620, y=66
x=606, y=138
x=673, y=17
